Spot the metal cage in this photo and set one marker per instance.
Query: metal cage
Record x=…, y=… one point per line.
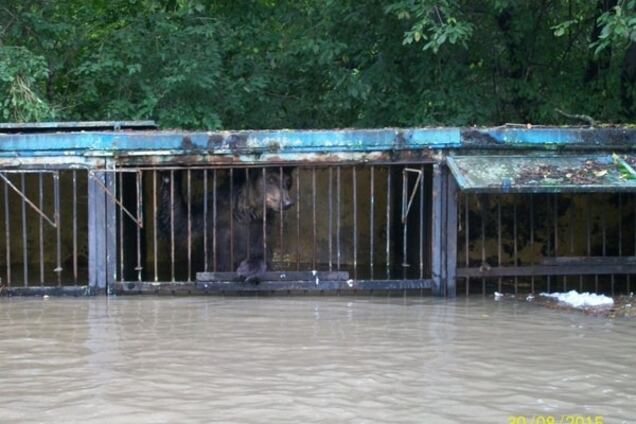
x=84, y=209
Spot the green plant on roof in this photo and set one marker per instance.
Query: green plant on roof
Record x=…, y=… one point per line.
x=626, y=170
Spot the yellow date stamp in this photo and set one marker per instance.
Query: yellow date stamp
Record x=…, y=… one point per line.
x=555, y=419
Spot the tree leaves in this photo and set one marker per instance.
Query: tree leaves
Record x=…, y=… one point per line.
x=279, y=63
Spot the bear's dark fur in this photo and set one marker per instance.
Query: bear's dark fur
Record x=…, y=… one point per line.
x=247, y=198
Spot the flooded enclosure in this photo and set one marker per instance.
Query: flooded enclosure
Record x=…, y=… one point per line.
x=528, y=243
x=368, y=222
x=44, y=221
x=114, y=208
x=290, y=360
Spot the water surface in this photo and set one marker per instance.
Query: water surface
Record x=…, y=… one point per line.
x=297, y=360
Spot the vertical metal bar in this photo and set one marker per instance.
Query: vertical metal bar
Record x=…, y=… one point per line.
x=549, y=235
x=247, y=239
x=74, y=226
x=589, y=233
x=467, y=239
x=313, y=214
x=7, y=241
x=231, y=221
x=555, y=211
x=298, y=220
x=515, y=241
x=404, y=222
x=205, y=220
x=371, y=219
x=620, y=224
x=281, y=247
x=41, y=227
x=620, y=232
x=189, y=206
x=119, y=194
x=629, y=282
x=532, y=241
x=330, y=203
x=58, y=225
x=388, y=222
x=139, y=215
x=25, y=254
x=338, y=218
x=483, y=240
x=214, y=218
x=556, y=233
x=172, y=224
x=604, y=244
x=264, y=173
x=499, y=281
x=421, y=241
x=154, y=223
x=572, y=248
x=355, y=221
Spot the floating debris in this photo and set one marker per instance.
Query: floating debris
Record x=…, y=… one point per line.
x=581, y=300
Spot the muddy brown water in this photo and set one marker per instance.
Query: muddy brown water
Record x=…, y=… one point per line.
x=299, y=360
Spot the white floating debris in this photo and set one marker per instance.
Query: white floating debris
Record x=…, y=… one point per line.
x=317, y=281
x=314, y=272
x=581, y=300
x=46, y=296
x=529, y=298
x=350, y=282
x=498, y=295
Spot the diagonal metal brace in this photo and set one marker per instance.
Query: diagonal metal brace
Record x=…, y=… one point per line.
x=27, y=200
x=138, y=220
x=405, y=210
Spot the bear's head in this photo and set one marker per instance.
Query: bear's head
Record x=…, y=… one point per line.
x=272, y=187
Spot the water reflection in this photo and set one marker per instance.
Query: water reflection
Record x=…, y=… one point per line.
x=308, y=359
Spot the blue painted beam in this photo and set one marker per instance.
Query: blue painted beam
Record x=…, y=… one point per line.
x=548, y=137
x=106, y=143
x=240, y=142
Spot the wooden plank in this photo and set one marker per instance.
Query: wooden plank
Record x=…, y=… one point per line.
x=283, y=287
x=96, y=236
x=526, y=271
x=278, y=276
x=451, y=235
x=102, y=244
x=437, y=251
x=596, y=260
x=50, y=291
x=110, y=225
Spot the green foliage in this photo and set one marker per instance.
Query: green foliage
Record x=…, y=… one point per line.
x=21, y=76
x=434, y=22
x=279, y=63
x=618, y=26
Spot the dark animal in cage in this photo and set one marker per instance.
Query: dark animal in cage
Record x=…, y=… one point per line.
x=242, y=206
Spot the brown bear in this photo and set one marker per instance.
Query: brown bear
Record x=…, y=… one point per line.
x=246, y=198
